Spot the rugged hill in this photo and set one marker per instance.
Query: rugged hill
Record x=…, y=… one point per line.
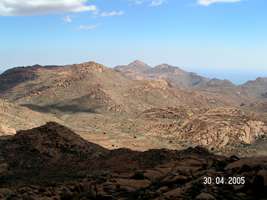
x=39, y=164
x=224, y=90
x=93, y=100
x=134, y=70
x=106, y=107
x=68, y=88
x=218, y=83
x=218, y=128
x=257, y=88
x=47, y=148
x=91, y=87
x=137, y=107
x=174, y=75
x=247, y=93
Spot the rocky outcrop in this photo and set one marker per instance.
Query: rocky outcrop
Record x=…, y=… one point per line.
x=223, y=126
x=212, y=128
x=52, y=162
x=89, y=67
x=159, y=84
x=48, y=147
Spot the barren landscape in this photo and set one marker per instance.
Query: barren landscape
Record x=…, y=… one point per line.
x=52, y=162
x=133, y=100
x=86, y=131
x=136, y=106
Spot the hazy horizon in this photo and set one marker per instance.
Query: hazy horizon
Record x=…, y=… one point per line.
x=225, y=39
x=236, y=77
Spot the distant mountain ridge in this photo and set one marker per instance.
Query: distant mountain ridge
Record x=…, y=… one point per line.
x=174, y=75
x=137, y=70
x=93, y=86
x=189, y=80
x=141, y=67
x=135, y=66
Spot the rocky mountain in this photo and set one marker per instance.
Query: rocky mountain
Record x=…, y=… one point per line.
x=88, y=87
x=257, y=88
x=218, y=83
x=133, y=107
x=52, y=162
x=174, y=75
x=107, y=107
x=22, y=83
x=248, y=93
x=135, y=67
x=179, y=78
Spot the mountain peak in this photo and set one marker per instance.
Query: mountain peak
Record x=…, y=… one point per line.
x=138, y=63
x=136, y=66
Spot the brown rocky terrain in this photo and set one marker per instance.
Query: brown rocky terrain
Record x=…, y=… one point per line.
x=166, y=108
x=236, y=94
x=52, y=162
x=134, y=70
x=14, y=117
x=91, y=87
x=256, y=87
x=212, y=128
x=174, y=75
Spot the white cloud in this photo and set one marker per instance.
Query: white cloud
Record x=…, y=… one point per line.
x=152, y=3
x=112, y=13
x=155, y=3
x=209, y=2
x=41, y=7
x=67, y=19
x=87, y=27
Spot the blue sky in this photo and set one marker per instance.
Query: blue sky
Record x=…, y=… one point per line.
x=216, y=38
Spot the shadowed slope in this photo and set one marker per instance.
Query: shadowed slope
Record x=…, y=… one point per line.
x=52, y=162
x=15, y=117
